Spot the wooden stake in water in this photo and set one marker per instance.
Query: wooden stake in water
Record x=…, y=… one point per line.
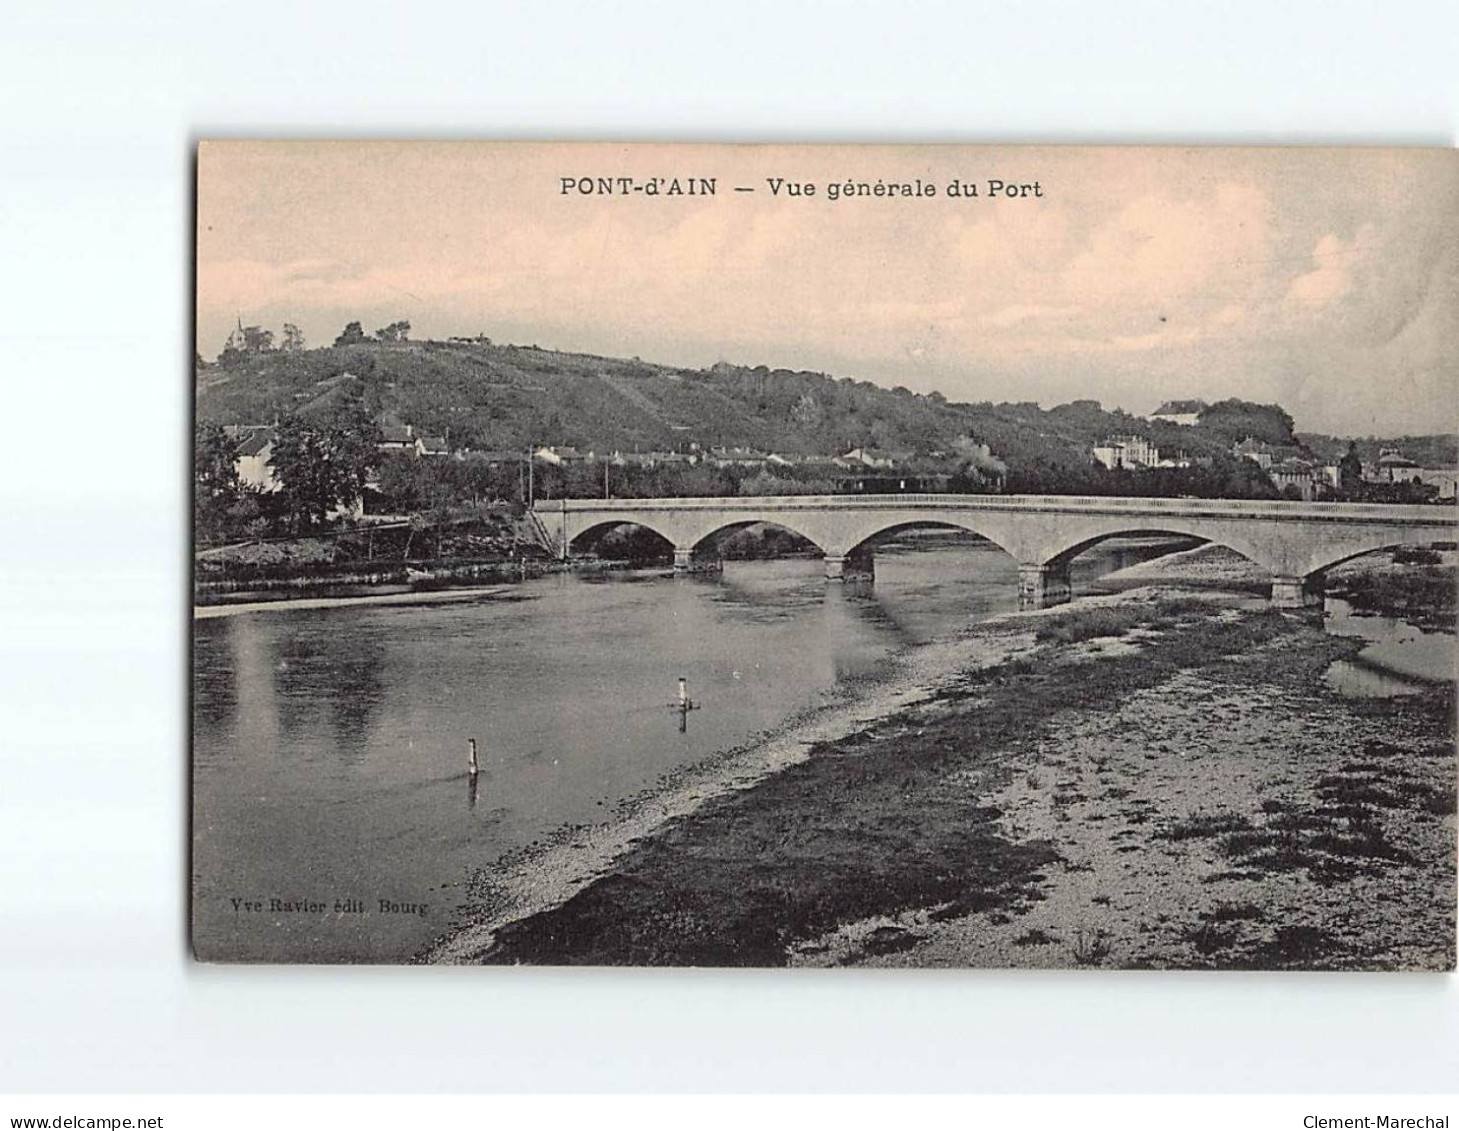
x=471, y=756
x=683, y=694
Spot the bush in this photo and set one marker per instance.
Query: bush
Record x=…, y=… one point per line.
x=1086, y=624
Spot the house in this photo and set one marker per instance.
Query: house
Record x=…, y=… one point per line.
x=252, y=460
x=1255, y=450
x=396, y=438
x=867, y=457
x=930, y=484
x=1299, y=475
x=431, y=446
x=1444, y=478
x=1186, y=413
x=1393, y=467
x=737, y=457
x=1126, y=452
x=557, y=456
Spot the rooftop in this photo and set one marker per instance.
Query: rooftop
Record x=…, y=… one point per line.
x=1179, y=408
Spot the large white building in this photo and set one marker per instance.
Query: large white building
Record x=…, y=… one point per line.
x=1127, y=452
x=1187, y=413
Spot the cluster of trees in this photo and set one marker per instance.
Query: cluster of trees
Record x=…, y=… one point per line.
x=1234, y=420
x=222, y=506
x=1220, y=476
x=320, y=470
x=354, y=334
x=246, y=343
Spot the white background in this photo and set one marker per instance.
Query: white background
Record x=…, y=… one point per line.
x=100, y=105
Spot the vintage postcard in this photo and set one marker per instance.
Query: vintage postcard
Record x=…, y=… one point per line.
x=719, y=555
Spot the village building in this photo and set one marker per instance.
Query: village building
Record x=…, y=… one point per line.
x=654, y=459
x=935, y=483
x=1444, y=478
x=1125, y=452
x=737, y=457
x=867, y=457
x=1298, y=475
x=252, y=460
x=558, y=456
x=395, y=437
x=673, y=459
x=1255, y=450
x=431, y=446
x=1392, y=466
x=1185, y=413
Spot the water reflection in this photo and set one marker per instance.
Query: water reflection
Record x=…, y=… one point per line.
x=329, y=743
x=1401, y=658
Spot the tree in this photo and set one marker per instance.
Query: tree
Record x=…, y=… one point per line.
x=293, y=339
x=320, y=470
x=353, y=334
x=395, y=332
x=246, y=342
x=257, y=340
x=215, y=480
x=1350, y=471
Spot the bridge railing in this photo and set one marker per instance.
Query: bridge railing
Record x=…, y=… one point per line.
x=1445, y=515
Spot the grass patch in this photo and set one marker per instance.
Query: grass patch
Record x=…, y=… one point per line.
x=1203, y=827
x=1091, y=948
x=1299, y=946
x=1086, y=624
x=1425, y=593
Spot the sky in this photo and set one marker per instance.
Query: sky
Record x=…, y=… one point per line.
x=1326, y=280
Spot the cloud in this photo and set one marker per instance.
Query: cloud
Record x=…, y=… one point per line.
x=1335, y=263
x=1139, y=275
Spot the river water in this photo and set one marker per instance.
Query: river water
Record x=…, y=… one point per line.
x=333, y=818
x=1400, y=658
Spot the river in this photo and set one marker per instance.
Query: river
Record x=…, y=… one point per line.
x=333, y=818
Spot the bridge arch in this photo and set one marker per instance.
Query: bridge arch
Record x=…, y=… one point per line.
x=1062, y=556
x=598, y=529
x=714, y=537
x=784, y=522
x=1331, y=558
x=871, y=541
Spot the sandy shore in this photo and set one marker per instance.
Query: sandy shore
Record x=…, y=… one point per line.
x=1158, y=777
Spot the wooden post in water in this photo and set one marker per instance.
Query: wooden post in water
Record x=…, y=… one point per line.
x=683, y=694
x=471, y=756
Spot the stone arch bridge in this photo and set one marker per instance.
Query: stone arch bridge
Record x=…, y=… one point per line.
x=1295, y=542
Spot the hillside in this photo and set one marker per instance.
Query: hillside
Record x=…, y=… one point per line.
x=488, y=396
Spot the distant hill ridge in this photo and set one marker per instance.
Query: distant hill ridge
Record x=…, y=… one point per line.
x=483, y=395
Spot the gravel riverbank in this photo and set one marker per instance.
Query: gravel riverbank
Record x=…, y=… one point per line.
x=1155, y=778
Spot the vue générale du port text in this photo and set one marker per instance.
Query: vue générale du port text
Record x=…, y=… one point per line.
x=882, y=188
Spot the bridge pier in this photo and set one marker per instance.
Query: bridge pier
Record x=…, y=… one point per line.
x=852, y=566
x=1292, y=592
x=1041, y=586
x=686, y=562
